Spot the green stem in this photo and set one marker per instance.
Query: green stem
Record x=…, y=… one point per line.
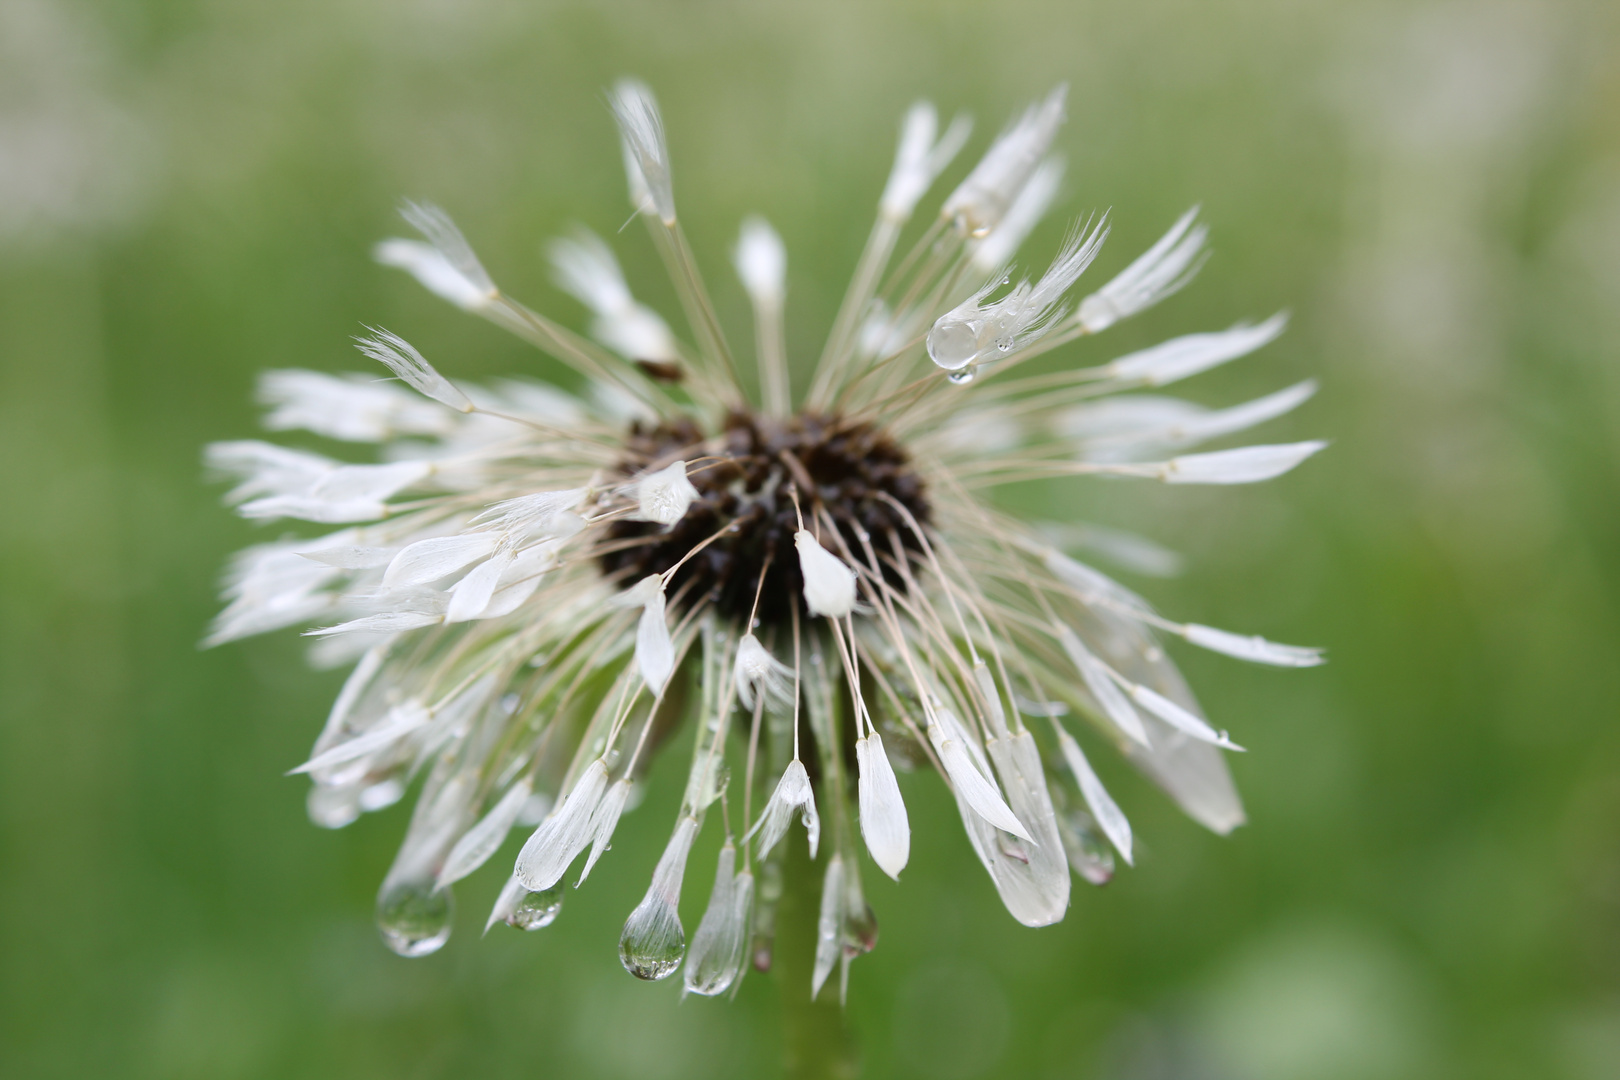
x=817, y=1043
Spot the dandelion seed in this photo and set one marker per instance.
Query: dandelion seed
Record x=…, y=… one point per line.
x=655, y=651
x=1163, y=269
x=757, y=671
x=642, y=129
x=564, y=834
x=793, y=792
x=481, y=841
x=920, y=159
x=715, y=960
x=518, y=574
x=1103, y=807
x=980, y=201
x=1245, y=465
x=761, y=262
x=1183, y=357
x=445, y=265
x=666, y=495
x=604, y=820
x=397, y=354
x=883, y=814
x=1028, y=207
x=586, y=269
x=653, y=942
x=971, y=784
x=829, y=585
x=1257, y=649
x=975, y=332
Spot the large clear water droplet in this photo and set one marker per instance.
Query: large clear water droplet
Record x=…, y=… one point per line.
x=537, y=909
x=653, y=942
x=413, y=918
x=952, y=344
x=963, y=377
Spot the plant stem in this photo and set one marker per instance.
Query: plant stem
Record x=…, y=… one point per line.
x=816, y=1040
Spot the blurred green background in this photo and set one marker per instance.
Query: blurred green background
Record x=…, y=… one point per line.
x=1430, y=883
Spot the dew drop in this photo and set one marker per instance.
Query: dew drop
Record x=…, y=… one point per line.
x=653, y=943
x=537, y=909
x=861, y=929
x=413, y=918
x=381, y=795
x=1088, y=852
x=963, y=377
x=332, y=807
x=952, y=344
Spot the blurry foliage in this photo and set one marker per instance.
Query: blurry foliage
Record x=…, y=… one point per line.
x=1430, y=885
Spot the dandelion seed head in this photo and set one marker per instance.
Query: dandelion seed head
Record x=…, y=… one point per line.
x=536, y=587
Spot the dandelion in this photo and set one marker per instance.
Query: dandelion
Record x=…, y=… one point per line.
x=534, y=588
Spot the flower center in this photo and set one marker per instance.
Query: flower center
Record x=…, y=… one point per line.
x=848, y=471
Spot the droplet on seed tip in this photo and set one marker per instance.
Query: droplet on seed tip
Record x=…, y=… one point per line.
x=414, y=918
x=537, y=909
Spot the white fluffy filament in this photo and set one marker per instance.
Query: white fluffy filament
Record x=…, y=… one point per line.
x=1161, y=270
x=445, y=265
x=642, y=130
x=403, y=360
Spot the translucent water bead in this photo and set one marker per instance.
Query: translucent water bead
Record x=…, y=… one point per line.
x=537, y=909
x=959, y=344
x=413, y=918
x=652, y=946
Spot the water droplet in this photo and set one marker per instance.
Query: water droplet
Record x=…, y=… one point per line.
x=952, y=344
x=537, y=909
x=861, y=930
x=653, y=942
x=413, y=918
x=383, y=794
x=963, y=377
x=763, y=947
x=332, y=807
x=1006, y=342
x=1088, y=852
